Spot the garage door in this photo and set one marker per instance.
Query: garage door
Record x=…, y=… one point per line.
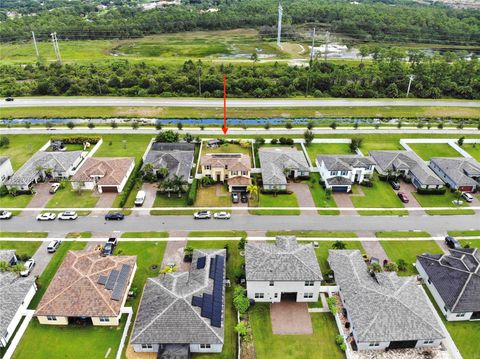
x=339, y=188
x=109, y=189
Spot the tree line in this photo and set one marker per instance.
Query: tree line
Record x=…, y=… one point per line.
x=387, y=75
x=367, y=21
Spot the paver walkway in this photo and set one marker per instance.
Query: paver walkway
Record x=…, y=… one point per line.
x=290, y=317
x=344, y=200
x=304, y=197
x=40, y=199
x=441, y=243
x=375, y=249
x=174, y=254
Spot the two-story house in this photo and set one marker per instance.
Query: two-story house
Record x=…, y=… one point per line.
x=233, y=168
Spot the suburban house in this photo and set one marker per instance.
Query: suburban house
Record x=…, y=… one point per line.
x=454, y=281
x=184, y=312
x=43, y=165
x=231, y=167
x=340, y=171
x=87, y=288
x=177, y=158
x=6, y=170
x=458, y=173
x=385, y=311
x=105, y=174
x=406, y=164
x=278, y=163
x=282, y=270
x=15, y=295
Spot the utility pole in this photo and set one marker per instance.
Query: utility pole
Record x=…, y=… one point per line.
x=327, y=40
x=55, y=46
x=36, y=48
x=312, y=53
x=411, y=77
x=279, y=30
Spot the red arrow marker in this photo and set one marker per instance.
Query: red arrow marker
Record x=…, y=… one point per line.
x=225, y=128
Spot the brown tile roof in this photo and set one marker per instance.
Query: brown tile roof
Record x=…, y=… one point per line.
x=113, y=170
x=234, y=161
x=239, y=181
x=74, y=290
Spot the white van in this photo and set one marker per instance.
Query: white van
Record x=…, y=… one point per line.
x=140, y=198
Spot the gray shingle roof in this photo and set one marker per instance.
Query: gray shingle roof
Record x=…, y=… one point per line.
x=6, y=255
x=456, y=277
x=166, y=315
x=345, y=162
x=385, y=308
x=274, y=160
x=401, y=160
x=57, y=161
x=460, y=170
x=176, y=157
x=285, y=260
x=338, y=181
x=3, y=159
x=13, y=290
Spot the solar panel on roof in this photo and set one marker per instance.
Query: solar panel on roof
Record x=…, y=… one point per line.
x=207, y=306
x=197, y=301
x=212, y=268
x=201, y=262
x=121, y=283
x=102, y=279
x=112, y=279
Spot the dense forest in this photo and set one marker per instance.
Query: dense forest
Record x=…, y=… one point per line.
x=365, y=21
x=385, y=76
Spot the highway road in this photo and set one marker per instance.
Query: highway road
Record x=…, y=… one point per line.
x=245, y=103
x=436, y=225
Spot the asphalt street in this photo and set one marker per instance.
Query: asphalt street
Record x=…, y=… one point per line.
x=135, y=223
x=245, y=103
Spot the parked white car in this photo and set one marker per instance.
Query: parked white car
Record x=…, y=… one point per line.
x=221, y=215
x=28, y=267
x=5, y=215
x=202, y=215
x=54, y=188
x=68, y=215
x=467, y=197
x=46, y=216
x=53, y=246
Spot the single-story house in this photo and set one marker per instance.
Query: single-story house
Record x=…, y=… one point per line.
x=278, y=163
x=42, y=165
x=406, y=164
x=454, y=281
x=87, y=287
x=6, y=170
x=105, y=174
x=15, y=295
x=385, y=311
x=176, y=157
x=184, y=312
x=284, y=270
x=231, y=167
x=459, y=173
x=340, y=171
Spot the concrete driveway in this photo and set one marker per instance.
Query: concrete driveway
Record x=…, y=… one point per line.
x=42, y=258
x=409, y=189
x=174, y=254
x=344, y=200
x=42, y=196
x=304, y=197
x=105, y=201
x=289, y=317
x=150, y=194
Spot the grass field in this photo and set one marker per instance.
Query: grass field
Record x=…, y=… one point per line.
x=320, y=196
x=79, y=235
x=473, y=243
x=442, y=200
x=123, y=145
x=67, y=197
x=26, y=248
x=325, y=246
x=429, y=150
x=207, y=197
x=468, y=233
x=21, y=148
x=281, y=200
x=144, y=235
x=217, y=234
x=380, y=195
x=403, y=234
x=317, y=234
x=24, y=234
x=473, y=149
x=315, y=149
x=408, y=250
x=19, y=201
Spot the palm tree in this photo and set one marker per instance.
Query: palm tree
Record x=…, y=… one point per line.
x=162, y=172
x=41, y=171
x=166, y=186
x=148, y=168
x=253, y=190
x=3, y=266
x=178, y=183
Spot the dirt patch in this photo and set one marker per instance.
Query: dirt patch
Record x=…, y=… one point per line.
x=451, y=112
x=139, y=111
x=289, y=317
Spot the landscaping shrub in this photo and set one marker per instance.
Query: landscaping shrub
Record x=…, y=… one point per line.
x=192, y=193
x=241, y=329
x=274, y=141
x=3, y=191
x=285, y=141
x=240, y=300
x=241, y=243
x=76, y=140
x=167, y=136
x=401, y=265
x=431, y=190
x=390, y=267
x=332, y=305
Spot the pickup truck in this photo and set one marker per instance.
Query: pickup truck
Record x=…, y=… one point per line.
x=109, y=247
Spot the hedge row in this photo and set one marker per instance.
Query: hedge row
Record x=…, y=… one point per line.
x=130, y=184
x=76, y=140
x=192, y=193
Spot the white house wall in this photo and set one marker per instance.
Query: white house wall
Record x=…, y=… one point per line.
x=280, y=287
x=6, y=171
x=214, y=348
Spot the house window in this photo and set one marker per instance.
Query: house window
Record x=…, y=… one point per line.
x=259, y=295
x=427, y=341
x=147, y=346
x=244, y=173
x=104, y=319
x=344, y=173
x=51, y=318
x=333, y=173
x=275, y=295
x=226, y=167
x=234, y=173
x=309, y=283
x=207, y=167
x=271, y=284
x=205, y=346
x=428, y=280
x=460, y=315
x=307, y=295
x=373, y=344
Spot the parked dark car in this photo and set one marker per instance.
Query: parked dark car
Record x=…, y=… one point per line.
x=244, y=197
x=117, y=216
x=403, y=197
x=9, y=99
x=452, y=243
x=109, y=247
x=235, y=198
x=395, y=185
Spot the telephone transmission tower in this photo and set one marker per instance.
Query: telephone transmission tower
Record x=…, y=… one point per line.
x=279, y=31
x=55, y=46
x=36, y=48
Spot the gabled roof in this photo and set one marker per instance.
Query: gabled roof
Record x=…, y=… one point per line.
x=456, y=277
x=274, y=160
x=57, y=161
x=285, y=260
x=345, y=162
x=338, y=181
x=405, y=160
x=383, y=307
x=111, y=169
x=4, y=159
x=234, y=161
x=13, y=290
x=460, y=170
x=176, y=157
x=166, y=314
x=78, y=291
x=6, y=255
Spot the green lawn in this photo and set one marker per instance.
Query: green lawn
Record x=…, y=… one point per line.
x=21, y=148
x=315, y=149
x=123, y=145
x=402, y=234
x=24, y=234
x=473, y=149
x=324, y=246
x=51, y=341
x=79, y=235
x=472, y=243
x=144, y=235
x=162, y=200
x=23, y=248
x=234, y=261
x=441, y=200
x=380, y=195
x=217, y=234
x=380, y=142
x=19, y=201
x=471, y=233
x=207, y=197
x=67, y=197
x=52, y=267
x=408, y=251
x=320, y=196
x=429, y=150
x=314, y=234
x=321, y=344
x=280, y=200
